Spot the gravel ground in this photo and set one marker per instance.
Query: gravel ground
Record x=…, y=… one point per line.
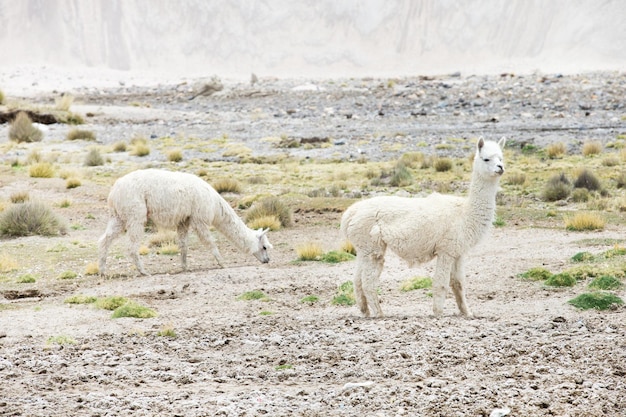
x=527, y=353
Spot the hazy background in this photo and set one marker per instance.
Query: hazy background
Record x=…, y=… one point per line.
x=318, y=38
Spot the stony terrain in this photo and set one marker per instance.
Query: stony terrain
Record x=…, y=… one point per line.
x=527, y=352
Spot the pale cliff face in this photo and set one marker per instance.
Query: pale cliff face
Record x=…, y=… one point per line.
x=315, y=39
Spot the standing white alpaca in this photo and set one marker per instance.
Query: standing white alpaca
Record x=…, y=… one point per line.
x=175, y=200
x=419, y=229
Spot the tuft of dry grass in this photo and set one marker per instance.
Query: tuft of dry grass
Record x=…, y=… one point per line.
x=348, y=247
x=119, y=146
x=76, y=134
x=175, y=155
x=442, y=164
x=226, y=185
x=584, y=221
x=72, y=182
x=556, y=150
x=7, y=263
x=64, y=102
x=92, y=268
x=265, y=222
x=19, y=197
x=592, y=148
x=93, y=158
x=557, y=188
x=139, y=146
x=270, y=206
x=516, y=178
x=23, y=130
x=41, y=170
x=309, y=251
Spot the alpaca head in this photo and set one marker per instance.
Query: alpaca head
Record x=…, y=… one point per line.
x=263, y=246
x=489, y=162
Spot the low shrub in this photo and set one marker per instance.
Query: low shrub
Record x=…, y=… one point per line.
x=175, y=155
x=110, y=303
x=443, y=164
x=72, y=182
x=401, y=176
x=31, y=218
x=583, y=257
x=536, y=274
x=580, y=195
x=586, y=179
x=557, y=188
x=80, y=299
x=67, y=275
x=119, y=146
x=334, y=257
x=596, y=300
x=23, y=130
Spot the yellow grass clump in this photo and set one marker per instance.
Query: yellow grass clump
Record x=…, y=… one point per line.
x=309, y=251
x=556, y=150
x=265, y=222
x=72, y=182
x=584, y=221
x=226, y=185
x=76, y=134
x=175, y=155
x=23, y=130
x=92, y=268
x=592, y=148
x=41, y=170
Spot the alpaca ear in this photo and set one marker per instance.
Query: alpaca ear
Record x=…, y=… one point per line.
x=502, y=142
x=481, y=143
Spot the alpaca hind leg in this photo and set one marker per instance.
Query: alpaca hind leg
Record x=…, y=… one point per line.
x=457, y=281
x=441, y=283
x=370, y=278
x=359, y=296
x=135, y=233
x=183, y=233
x=205, y=237
x=115, y=227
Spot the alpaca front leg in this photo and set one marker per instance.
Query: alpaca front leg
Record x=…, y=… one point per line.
x=205, y=237
x=457, y=280
x=113, y=230
x=441, y=283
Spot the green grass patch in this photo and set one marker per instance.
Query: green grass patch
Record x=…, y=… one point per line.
x=606, y=282
x=134, y=310
x=60, y=340
x=334, y=257
x=416, y=283
x=111, y=303
x=583, y=257
x=311, y=299
x=80, y=299
x=563, y=279
x=284, y=367
x=345, y=294
x=26, y=279
x=67, y=275
x=253, y=295
x=536, y=274
x=596, y=300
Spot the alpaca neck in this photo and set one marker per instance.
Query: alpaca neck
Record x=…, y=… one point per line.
x=228, y=223
x=480, y=205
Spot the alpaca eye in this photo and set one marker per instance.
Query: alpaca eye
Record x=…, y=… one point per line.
x=486, y=159
x=264, y=248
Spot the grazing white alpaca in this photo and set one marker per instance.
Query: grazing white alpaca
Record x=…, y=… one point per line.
x=175, y=200
x=419, y=229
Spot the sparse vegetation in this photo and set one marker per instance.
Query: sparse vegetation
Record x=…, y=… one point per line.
x=583, y=257
x=310, y=299
x=139, y=147
x=515, y=178
x=586, y=179
x=19, y=197
x=334, y=257
x=443, y=164
x=80, y=299
x=536, y=274
x=556, y=150
x=31, y=218
x=345, y=294
x=606, y=282
x=26, y=279
x=401, y=176
x=416, y=283
x=119, y=146
x=132, y=309
x=23, y=130
x=72, y=182
x=563, y=279
x=67, y=275
x=265, y=222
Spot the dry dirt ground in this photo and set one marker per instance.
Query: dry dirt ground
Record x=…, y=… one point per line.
x=526, y=351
